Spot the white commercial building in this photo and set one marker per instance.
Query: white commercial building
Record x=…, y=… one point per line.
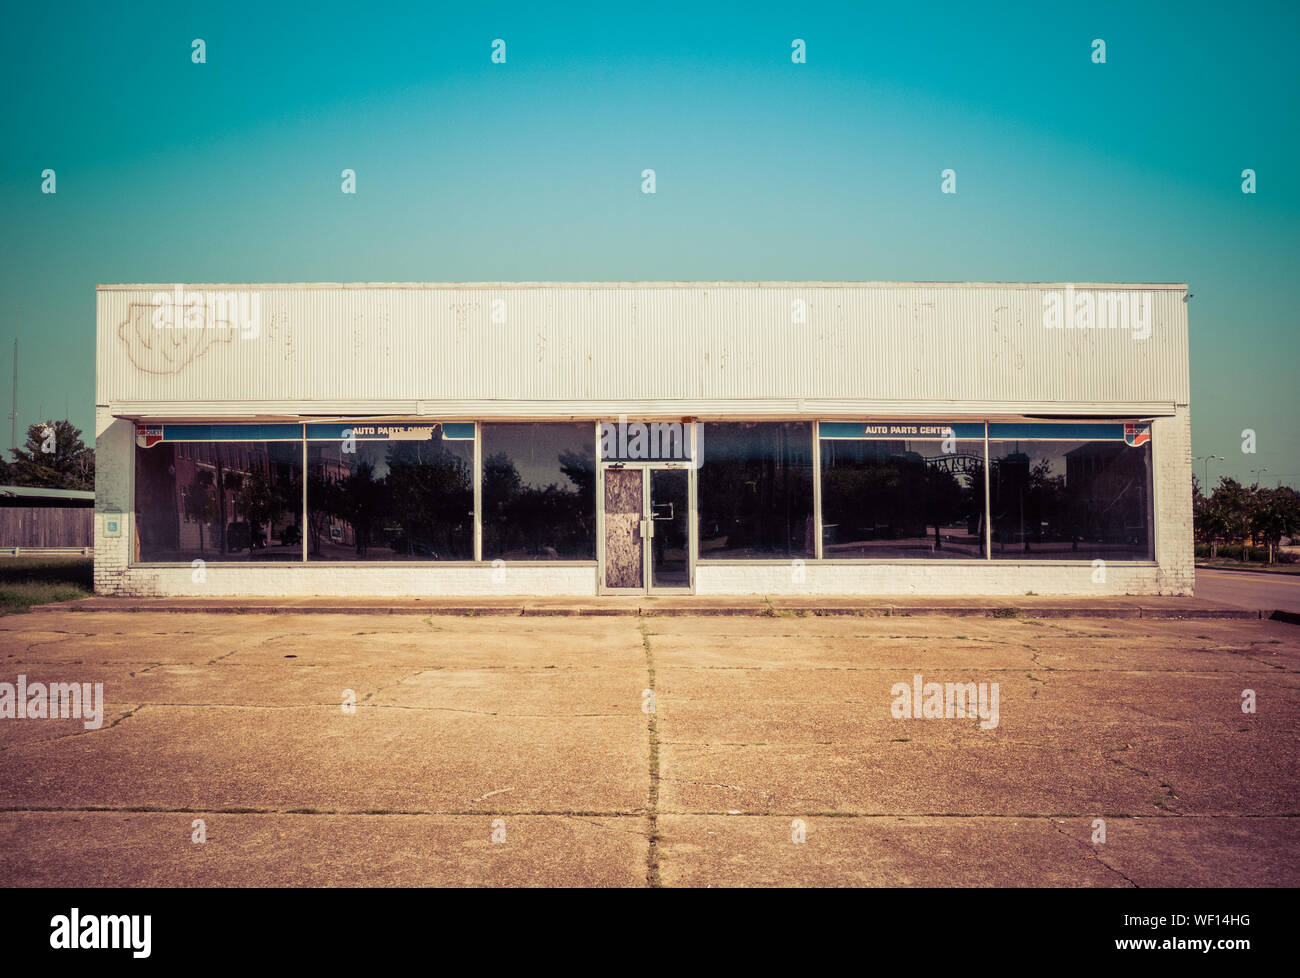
x=783, y=438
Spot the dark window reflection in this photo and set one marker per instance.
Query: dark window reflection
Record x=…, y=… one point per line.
x=1070, y=500
x=756, y=490
x=219, y=501
x=539, y=491
x=902, y=499
x=391, y=500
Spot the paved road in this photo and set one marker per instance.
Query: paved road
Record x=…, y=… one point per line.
x=521, y=751
x=1250, y=590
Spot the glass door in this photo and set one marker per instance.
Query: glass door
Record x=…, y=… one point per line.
x=669, y=529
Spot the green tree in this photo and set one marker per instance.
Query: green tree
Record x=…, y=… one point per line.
x=1225, y=516
x=53, y=457
x=1273, y=514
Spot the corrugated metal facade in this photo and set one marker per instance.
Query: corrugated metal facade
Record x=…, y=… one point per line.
x=651, y=348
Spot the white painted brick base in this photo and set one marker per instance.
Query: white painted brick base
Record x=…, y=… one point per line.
x=933, y=577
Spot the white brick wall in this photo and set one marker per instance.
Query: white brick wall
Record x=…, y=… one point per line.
x=114, y=456
x=928, y=577
x=221, y=580
x=1172, y=573
x=1171, y=459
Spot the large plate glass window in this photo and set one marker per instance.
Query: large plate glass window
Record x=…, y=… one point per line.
x=390, y=491
x=1071, y=491
x=539, y=491
x=902, y=489
x=202, y=497
x=755, y=490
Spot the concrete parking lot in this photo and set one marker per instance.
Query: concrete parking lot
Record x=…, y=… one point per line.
x=513, y=750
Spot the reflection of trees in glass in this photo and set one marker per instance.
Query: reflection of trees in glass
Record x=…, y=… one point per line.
x=286, y=498
x=858, y=498
x=430, y=497
x=254, y=500
x=1010, y=486
x=422, y=506
x=206, y=500
x=898, y=497
x=213, y=498
x=265, y=498
x=200, y=501
x=1047, y=513
x=945, y=500
x=324, y=504
x=580, y=467
x=755, y=487
x=1086, y=494
x=362, y=503
x=549, y=522
x=501, y=481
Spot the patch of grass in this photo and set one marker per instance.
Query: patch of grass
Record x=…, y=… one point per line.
x=79, y=571
x=1005, y=613
x=27, y=581
x=21, y=597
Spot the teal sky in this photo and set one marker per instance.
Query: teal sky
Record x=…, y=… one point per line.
x=1066, y=170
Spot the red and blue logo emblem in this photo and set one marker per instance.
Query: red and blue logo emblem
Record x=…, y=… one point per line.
x=148, y=435
x=1136, y=434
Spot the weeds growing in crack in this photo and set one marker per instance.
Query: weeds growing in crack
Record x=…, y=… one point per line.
x=652, y=803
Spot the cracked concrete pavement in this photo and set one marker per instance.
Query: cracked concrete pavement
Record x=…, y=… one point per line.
x=532, y=731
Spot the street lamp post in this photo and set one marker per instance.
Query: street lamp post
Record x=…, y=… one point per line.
x=1205, y=486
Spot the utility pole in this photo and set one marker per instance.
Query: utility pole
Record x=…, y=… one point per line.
x=13, y=415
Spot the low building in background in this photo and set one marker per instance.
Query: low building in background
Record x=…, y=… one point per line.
x=625, y=438
x=36, y=520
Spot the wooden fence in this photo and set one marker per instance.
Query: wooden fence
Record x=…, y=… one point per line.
x=40, y=526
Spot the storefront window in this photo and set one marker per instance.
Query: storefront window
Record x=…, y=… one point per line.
x=755, y=490
x=539, y=491
x=389, y=498
x=1070, y=499
x=219, y=500
x=897, y=497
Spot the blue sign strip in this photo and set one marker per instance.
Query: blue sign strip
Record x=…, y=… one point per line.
x=231, y=432
x=1070, y=431
x=363, y=430
x=464, y=431
x=896, y=430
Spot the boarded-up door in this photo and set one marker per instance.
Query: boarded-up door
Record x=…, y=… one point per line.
x=623, y=554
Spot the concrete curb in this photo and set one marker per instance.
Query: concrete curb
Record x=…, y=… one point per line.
x=1249, y=570
x=756, y=610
